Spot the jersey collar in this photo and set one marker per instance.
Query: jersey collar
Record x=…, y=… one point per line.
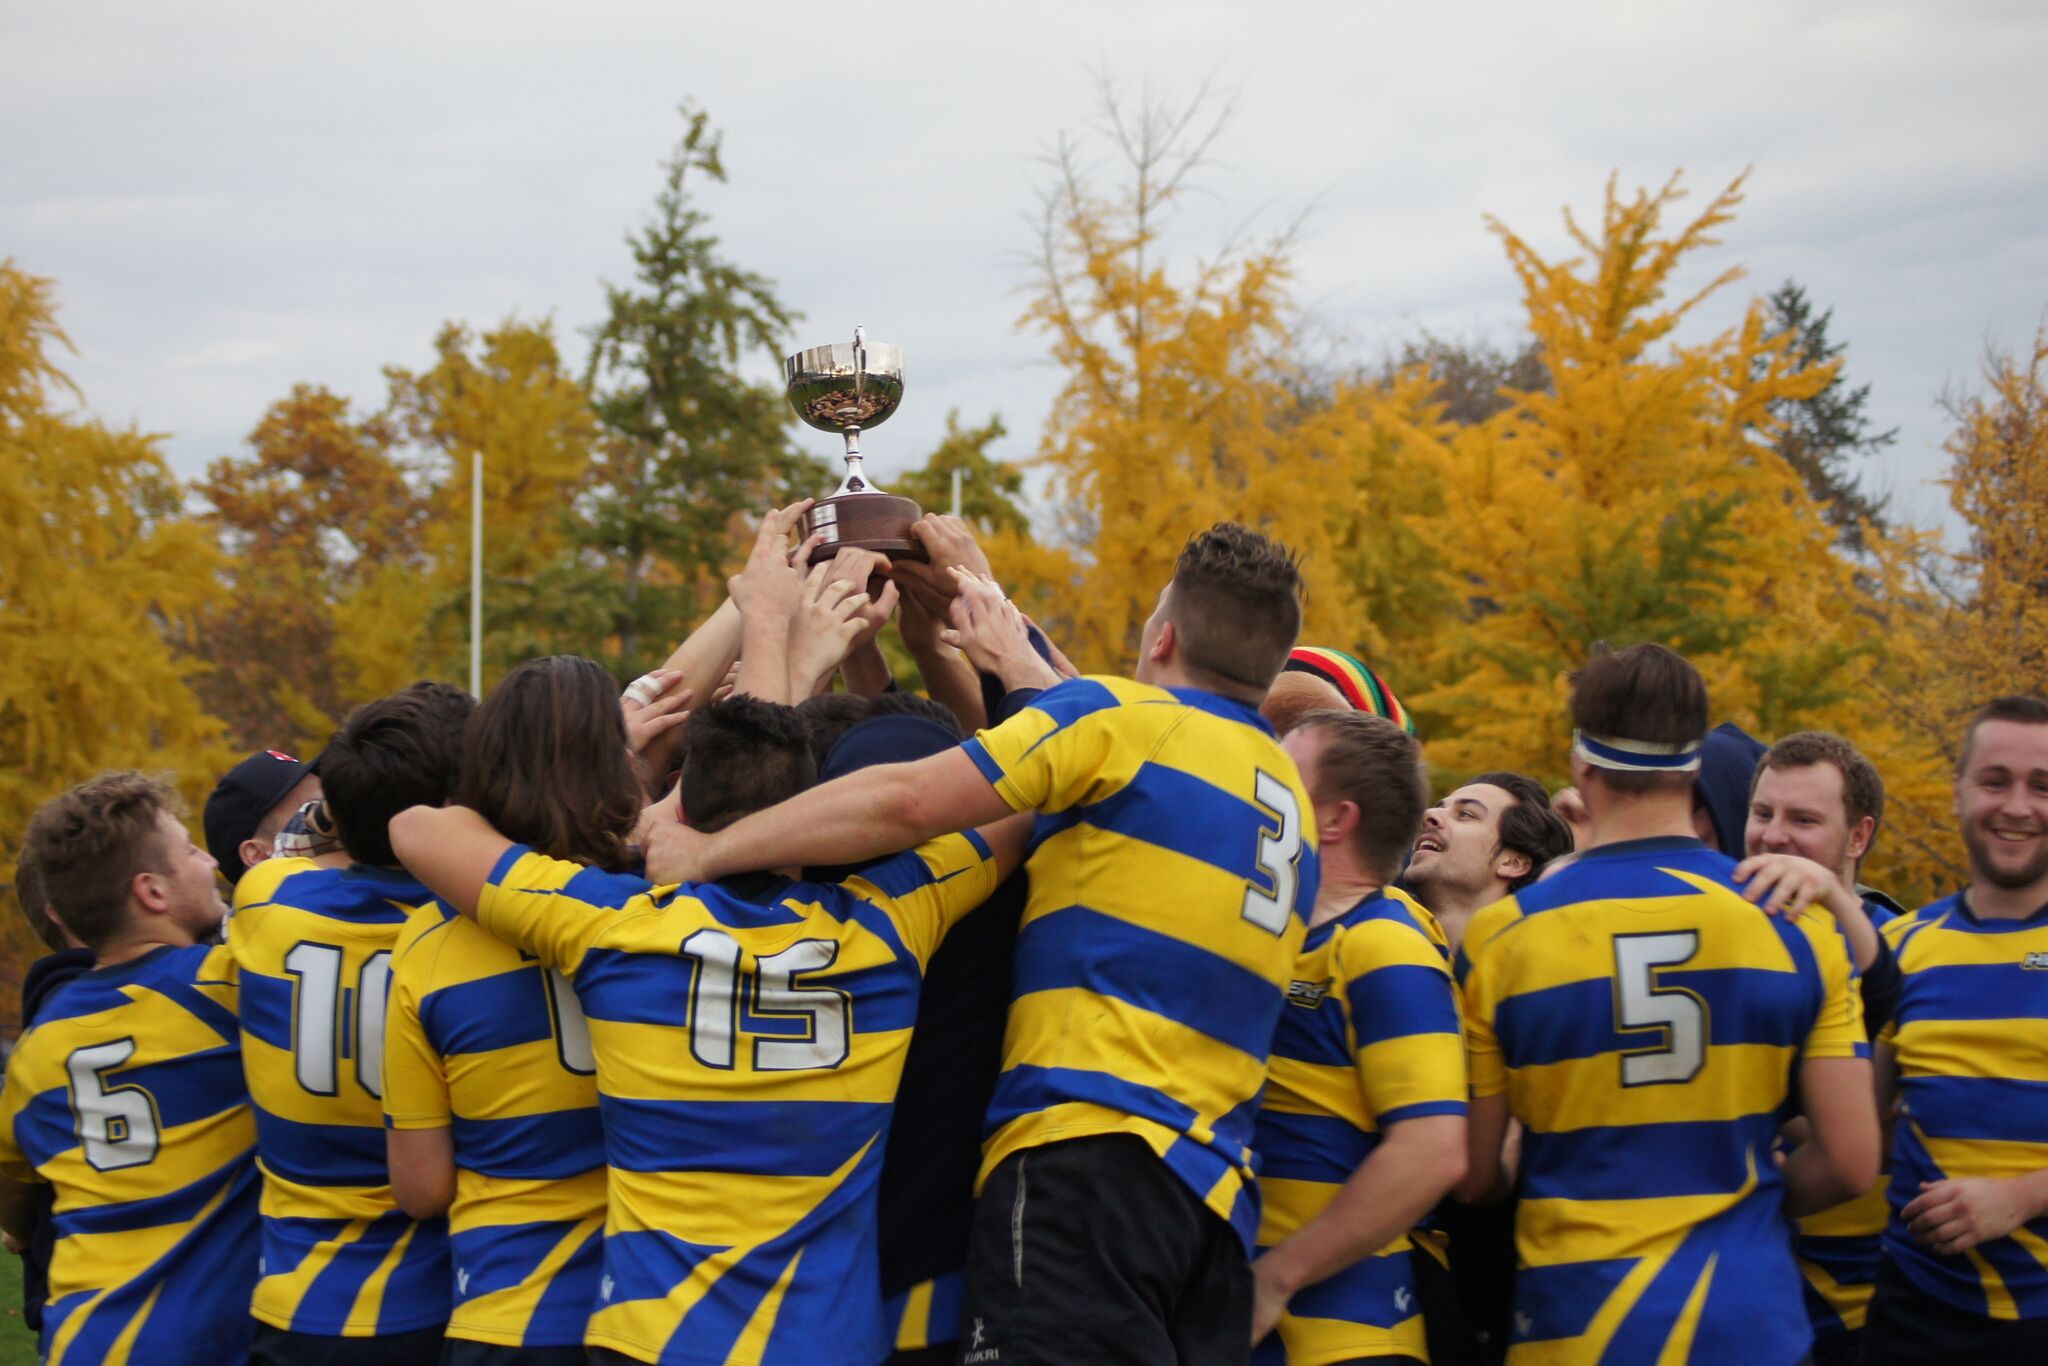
x=1655, y=844
x=1216, y=704
x=2000, y=925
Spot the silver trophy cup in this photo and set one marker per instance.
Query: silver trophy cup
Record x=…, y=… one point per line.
x=846, y=388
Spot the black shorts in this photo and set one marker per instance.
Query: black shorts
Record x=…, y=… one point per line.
x=463, y=1352
x=1093, y=1250
x=1909, y=1327
x=276, y=1347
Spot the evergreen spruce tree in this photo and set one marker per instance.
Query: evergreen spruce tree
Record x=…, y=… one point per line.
x=689, y=447
x=1823, y=432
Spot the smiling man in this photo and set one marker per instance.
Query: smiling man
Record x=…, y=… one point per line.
x=1815, y=795
x=1965, y=1273
x=1486, y=840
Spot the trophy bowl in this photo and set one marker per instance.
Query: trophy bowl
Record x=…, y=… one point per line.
x=844, y=388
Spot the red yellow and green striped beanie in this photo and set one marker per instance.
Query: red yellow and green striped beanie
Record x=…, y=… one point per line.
x=1362, y=688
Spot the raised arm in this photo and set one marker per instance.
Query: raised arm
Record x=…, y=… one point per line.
x=947, y=675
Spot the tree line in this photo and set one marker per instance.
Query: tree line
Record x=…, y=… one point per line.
x=1473, y=516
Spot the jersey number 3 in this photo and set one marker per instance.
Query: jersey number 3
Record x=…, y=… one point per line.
x=1278, y=856
x=1642, y=1003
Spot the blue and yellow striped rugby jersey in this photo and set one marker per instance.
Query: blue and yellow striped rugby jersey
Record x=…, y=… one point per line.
x=313, y=946
x=749, y=1036
x=1645, y=1023
x=127, y=1097
x=1369, y=1038
x=1970, y=1037
x=1172, y=872
x=1839, y=1249
x=485, y=1042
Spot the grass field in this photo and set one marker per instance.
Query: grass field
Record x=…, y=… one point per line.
x=17, y=1344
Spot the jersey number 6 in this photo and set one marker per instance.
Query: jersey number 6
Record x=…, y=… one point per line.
x=117, y=1125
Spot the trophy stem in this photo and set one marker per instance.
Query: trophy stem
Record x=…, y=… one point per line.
x=856, y=478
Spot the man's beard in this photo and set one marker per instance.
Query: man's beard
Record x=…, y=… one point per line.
x=1981, y=865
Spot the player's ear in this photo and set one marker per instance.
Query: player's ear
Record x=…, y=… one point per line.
x=1860, y=837
x=1510, y=864
x=149, y=891
x=253, y=852
x=1336, y=822
x=1165, y=643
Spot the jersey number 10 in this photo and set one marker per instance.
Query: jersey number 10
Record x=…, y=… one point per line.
x=330, y=1023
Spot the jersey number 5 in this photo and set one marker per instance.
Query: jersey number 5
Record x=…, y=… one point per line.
x=1642, y=1003
x=1278, y=857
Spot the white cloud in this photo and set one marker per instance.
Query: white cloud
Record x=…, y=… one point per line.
x=235, y=198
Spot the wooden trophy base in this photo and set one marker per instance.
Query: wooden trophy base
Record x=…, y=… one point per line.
x=865, y=521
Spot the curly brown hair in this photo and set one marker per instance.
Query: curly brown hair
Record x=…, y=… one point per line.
x=1862, y=787
x=86, y=845
x=1236, y=605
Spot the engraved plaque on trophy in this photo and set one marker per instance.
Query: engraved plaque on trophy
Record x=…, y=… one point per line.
x=842, y=388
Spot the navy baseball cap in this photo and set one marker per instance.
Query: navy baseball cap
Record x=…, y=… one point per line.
x=242, y=799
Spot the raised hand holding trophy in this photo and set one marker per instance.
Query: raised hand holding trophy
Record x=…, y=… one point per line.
x=841, y=388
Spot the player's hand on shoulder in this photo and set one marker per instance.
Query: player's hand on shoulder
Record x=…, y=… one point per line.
x=1786, y=884
x=674, y=852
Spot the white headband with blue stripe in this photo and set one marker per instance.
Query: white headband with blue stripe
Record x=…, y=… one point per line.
x=1636, y=756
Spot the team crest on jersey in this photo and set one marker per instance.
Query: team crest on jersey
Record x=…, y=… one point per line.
x=1308, y=995
x=2035, y=961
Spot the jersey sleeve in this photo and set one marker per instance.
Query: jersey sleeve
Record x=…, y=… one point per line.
x=1838, y=1026
x=1486, y=1072
x=415, y=1076
x=1411, y=1055
x=219, y=978
x=534, y=902
x=927, y=890
x=1065, y=749
x=15, y=1094
x=1894, y=932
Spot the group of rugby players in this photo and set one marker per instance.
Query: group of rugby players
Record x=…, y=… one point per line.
x=1044, y=1019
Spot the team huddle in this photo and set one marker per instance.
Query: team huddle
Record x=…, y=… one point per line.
x=771, y=1013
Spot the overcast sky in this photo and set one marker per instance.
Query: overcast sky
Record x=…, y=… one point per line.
x=234, y=198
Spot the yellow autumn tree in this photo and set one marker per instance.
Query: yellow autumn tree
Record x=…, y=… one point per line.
x=505, y=395
x=1177, y=409
x=1639, y=498
x=101, y=574
x=1963, y=624
x=318, y=607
